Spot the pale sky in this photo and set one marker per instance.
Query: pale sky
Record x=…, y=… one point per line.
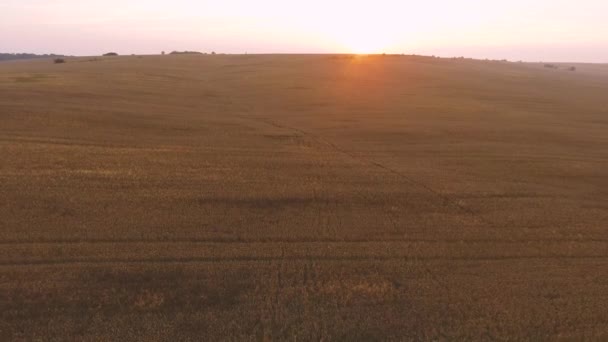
x=531, y=30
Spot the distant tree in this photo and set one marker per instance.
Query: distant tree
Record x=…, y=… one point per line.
x=59, y=61
x=110, y=54
x=163, y=53
x=213, y=52
x=572, y=68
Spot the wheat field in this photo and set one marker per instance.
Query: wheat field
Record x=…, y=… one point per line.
x=302, y=197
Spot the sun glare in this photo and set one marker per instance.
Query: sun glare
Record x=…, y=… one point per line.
x=364, y=48
x=365, y=41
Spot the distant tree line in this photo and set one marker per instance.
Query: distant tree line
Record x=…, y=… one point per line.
x=13, y=56
x=185, y=53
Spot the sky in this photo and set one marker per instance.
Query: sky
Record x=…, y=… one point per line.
x=529, y=30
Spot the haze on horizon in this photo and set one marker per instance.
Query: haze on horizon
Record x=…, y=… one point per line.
x=543, y=30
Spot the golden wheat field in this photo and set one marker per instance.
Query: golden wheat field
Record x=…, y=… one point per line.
x=302, y=197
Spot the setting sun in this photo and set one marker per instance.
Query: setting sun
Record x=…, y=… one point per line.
x=364, y=44
x=364, y=39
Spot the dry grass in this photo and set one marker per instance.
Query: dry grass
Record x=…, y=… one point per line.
x=302, y=197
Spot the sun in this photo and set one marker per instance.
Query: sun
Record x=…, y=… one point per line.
x=365, y=47
x=364, y=41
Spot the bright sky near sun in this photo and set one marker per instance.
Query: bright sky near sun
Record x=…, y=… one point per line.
x=534, y=30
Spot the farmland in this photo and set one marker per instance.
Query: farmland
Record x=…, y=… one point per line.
x=308, y=197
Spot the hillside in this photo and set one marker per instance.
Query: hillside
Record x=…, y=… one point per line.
x=303, y=196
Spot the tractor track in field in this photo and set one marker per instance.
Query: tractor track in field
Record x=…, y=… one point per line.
x=17, y=242
x=281, y=258
x=445, y=199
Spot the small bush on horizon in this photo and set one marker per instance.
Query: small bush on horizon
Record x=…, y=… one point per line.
x=110, y=54
x=59, y=61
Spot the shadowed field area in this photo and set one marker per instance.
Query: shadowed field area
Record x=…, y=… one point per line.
x=302, y=197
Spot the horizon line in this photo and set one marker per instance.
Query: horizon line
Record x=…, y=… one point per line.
x=193, y=52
